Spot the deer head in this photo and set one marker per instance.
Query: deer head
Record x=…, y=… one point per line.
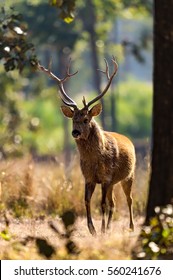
x=82, y=118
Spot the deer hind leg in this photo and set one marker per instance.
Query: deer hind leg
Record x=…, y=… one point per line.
x=89, y=189
x=106, y=193
x=127, y=187
x=111, y=205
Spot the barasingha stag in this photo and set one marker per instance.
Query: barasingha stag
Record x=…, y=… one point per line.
x=106, y=158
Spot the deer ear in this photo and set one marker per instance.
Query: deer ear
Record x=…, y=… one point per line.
x=95, y=110
x=68, y=112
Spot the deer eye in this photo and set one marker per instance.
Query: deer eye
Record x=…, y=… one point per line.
x=85, y=121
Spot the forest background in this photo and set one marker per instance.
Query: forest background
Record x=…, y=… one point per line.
x=31, y=119
x=40, y=175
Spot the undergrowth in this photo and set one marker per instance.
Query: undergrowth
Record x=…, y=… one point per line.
x=156, y=239
x=30, y=188
x=39, y=191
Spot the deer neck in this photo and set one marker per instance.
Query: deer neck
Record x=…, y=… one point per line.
x=94, y=144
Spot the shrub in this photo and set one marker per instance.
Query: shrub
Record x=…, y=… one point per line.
x=156, y=240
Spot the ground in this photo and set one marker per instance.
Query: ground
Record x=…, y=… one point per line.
x=116, y=244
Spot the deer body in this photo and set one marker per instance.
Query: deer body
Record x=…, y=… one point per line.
x=106, y=158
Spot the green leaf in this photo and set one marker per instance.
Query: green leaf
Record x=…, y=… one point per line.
x=68, y=19
x=57, y=3
x=165, y=233
x=5, y=235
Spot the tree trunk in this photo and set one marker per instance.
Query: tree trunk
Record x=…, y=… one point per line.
x=89, y=25
x=161, y=182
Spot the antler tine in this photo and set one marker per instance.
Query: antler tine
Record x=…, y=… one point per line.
x=68, y=75
x=50, y=64
x=107, y=69
x=110, y=78
x=84, y=102
x=64, y=97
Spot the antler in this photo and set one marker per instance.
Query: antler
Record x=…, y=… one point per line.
x=110, y=78
x=64, y=97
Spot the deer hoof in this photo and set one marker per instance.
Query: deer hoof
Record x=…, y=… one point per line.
x=131, y=227
x=92, y=229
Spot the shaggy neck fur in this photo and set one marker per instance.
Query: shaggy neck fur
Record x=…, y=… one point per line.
x=94, y=144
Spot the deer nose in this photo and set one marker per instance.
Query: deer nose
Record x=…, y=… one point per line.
x=76, y=133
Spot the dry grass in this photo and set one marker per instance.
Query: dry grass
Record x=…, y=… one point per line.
x=34, y=193
x=39, y=188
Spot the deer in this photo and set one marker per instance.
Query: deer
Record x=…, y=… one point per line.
x=106, y=158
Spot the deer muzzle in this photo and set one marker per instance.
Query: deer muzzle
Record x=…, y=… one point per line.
x=76, y=133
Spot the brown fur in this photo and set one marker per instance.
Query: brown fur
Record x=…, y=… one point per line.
x=106, y=158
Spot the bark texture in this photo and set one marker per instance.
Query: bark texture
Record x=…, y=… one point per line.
x=161, y=182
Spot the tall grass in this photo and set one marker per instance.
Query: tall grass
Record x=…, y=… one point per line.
x=35, y=192
x=35, y=188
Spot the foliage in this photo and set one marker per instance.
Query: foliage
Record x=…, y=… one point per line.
x=18, y=52
x=15, y=50
x=46, y=27
x=134, y=109
x=66, y=9
x=142, y=5
x=10, y=117
x=5, y=234
x=156, y=239
x=42, y=130
x=103, y=21
x=28, y=124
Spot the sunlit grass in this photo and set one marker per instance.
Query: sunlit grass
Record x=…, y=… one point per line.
x=33, y=193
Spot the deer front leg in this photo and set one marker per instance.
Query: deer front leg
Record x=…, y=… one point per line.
x=103, y=205
x=111, y=205
x=89, y=189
